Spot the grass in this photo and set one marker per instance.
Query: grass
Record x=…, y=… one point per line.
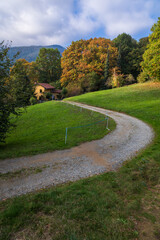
x=138, y=100
x=23, y=172
x=42, y=129
x=113, y=206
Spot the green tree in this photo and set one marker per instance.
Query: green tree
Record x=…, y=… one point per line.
x=64, y=92
x=7, y=103
x=49, y=65
x=90, y=82
x=126, y=44
x=22, y=87
x=136, y=56
x=151, y=57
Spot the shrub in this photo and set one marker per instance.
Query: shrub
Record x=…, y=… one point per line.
x=73, y=90
x=33, y=100
x=143, y=77
x=108, y=83
x=48, y=96
x=64, y=92
x=90, y=82
x=129, y=79
x=118, y=80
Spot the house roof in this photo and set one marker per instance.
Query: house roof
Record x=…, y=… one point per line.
x=46, y=85
x=57, y=91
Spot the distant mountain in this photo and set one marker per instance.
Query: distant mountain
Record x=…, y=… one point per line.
x=31, y=52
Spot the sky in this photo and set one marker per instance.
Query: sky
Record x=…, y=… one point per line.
x=47, y=22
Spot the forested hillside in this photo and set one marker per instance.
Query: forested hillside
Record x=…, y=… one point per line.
x=30, y=53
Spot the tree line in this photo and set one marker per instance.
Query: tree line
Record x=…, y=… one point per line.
x=86, y=65
x=99, y=63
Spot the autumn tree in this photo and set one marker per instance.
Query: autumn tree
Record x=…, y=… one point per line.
x=48, y=64
x=106, y=69
x=151, y=57
x=84, y=57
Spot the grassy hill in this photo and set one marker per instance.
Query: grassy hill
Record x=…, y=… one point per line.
x=118, y=205
x=42, y=129
x=31, y=52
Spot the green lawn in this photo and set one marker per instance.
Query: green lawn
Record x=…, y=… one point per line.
x=113, y=206
x=139, y=100
x=42, y=129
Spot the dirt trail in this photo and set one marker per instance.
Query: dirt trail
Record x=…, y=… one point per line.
x=130, y=136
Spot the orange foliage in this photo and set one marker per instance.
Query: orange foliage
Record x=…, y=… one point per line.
x=85, y=56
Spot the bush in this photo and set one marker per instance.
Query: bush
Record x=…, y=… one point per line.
x=64, y=92
x=118, y=80
x=73, y=90
x=90, y=82
x=48, y=96
x=108, y=83
x=143, y=77
x=129, y=79
x=33, y=100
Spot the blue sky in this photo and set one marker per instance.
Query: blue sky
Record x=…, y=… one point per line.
x=46, y=22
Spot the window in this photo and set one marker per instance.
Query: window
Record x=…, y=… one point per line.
x=40, y=90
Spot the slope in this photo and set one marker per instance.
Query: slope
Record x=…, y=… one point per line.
x=42, y=129
x=31, y=52
x=118, y=205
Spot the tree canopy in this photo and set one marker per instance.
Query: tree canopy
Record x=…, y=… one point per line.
x=151, y=57
x=48, y=64
x=130, y=53
x=86, y=56
x=7, y=103
x=125, y=44
x=22, y=84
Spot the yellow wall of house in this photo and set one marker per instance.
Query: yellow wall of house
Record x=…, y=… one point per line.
x=37, y=91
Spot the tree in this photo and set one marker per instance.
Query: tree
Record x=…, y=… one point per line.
x=106, y=69
x=151, y=57
x=7, y=103
x=32, y=72
x=136, y=55
x=22, y=87
x=90, y=82
x=49, y=65
x=126, y=44
x=84, y=57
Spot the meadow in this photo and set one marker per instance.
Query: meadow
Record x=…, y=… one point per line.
x=118, y=205
x=41, y=128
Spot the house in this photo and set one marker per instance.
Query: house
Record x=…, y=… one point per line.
x=42, y=88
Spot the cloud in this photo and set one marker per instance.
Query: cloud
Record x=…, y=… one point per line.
x=120, y=15
x=34, y=22
x=44, y=22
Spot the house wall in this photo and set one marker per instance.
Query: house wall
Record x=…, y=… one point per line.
x=38, y=90
x=42, y=89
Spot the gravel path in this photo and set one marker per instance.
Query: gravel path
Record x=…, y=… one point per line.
x=28, y=174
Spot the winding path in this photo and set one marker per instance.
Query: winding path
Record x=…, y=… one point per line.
x=130, y=136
